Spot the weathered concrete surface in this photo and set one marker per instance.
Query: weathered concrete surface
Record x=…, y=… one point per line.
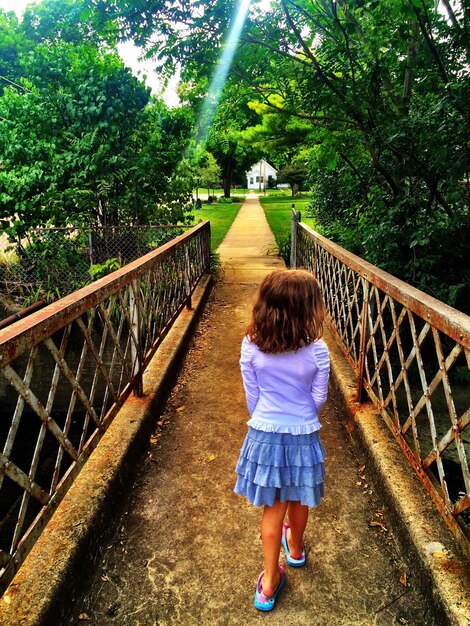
x=188, y=550
x=244, y=251
x=443, y=572
x=45, y=587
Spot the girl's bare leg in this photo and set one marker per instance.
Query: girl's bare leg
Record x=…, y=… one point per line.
x=271, y=534
x=297, y=515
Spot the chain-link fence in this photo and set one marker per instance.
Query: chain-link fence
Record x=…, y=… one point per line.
x=52, y=262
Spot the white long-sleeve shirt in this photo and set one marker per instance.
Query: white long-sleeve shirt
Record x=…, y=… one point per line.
x=285, y=392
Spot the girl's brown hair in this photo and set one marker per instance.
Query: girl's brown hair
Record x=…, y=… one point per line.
x=288, y=312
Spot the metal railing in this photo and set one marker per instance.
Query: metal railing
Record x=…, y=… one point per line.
x=411, y=354
x=57, y=261
x=67, y=369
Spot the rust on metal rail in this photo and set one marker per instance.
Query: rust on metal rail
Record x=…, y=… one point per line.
x=28, y=332
x=442, y=316
x=411, y=354
x=67, y=369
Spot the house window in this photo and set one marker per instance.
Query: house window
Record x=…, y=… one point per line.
x=257, y=179
x=251, y=180
x=262, y=179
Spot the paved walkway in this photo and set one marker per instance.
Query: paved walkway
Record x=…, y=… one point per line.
x=187, y=551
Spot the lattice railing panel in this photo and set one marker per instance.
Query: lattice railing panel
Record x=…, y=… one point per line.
x=343, y=291
x=411, y=354
x=67, y=369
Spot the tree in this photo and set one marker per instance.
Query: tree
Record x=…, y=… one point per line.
x=294, y=175
x=12, y=44
x=225, y=137
x=383, y=86
x=70, y=21
x=209, y=173
x=66, y=136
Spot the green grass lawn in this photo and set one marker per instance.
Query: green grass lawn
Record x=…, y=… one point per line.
x=241, y=192
x=204, y=192
x=221, y=217
x=278, y=213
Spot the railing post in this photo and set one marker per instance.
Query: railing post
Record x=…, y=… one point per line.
x=187, y=276
x=136, y=350
x=90, y=245
x=362, y=341
x=295, y=219
x=207, y=248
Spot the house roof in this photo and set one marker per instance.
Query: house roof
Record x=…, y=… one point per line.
x=258, y=163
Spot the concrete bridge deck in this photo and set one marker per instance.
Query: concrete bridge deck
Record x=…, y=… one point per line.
x=182, y=549
x=187, y=550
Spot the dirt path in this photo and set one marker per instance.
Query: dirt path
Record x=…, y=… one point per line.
x=188, y=550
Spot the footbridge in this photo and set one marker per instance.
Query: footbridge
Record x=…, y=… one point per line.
x=123, y=414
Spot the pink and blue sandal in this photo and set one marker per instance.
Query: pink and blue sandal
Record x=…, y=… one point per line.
x=266, y=603
x=290, y=560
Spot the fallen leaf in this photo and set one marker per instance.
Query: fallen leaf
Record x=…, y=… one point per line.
x=361, y=469
x=83, y=616
x=404, y=579
x=212, y=457
x=439, y=555
x=104, y=577
x=382, y=526
x=6, y=599
x=181, y=408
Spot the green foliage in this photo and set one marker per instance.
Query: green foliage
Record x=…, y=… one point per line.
x=81, y=142
x=98, y=270
x=65, y=139
x=284, y=246
x=71, y=21
x=51, y=253
x=46, y=291
x=373, y=96
x=208, y=173
x=12, y=44
x=216, y=265
x=278, y=211
x=294, y=175
x=225, y=137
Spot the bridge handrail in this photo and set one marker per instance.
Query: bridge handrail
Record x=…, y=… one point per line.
x=94, y=345
x=32, y=330
x=442, y=316
x=410, y=353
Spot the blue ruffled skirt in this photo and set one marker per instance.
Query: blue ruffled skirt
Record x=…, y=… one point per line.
x=281, y=466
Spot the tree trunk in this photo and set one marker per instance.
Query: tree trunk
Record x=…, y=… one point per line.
x=228, y=177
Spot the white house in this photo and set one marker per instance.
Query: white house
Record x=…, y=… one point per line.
x=257, y=177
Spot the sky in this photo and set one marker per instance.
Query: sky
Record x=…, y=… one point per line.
x=129, y=54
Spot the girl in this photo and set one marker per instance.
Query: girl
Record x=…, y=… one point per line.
x=285, y=369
